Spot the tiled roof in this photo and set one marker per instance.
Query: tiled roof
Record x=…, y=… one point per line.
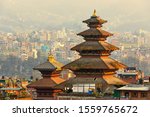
x=95, y=19
x=95, y=32
x=111, y=80
x=46, y=83
x=114, y=80
x=45, y=66
x=94, y=63
x=129, y=80
x=95, y=45
x=80, y=80
x=49, y=66
x=135, y=88
x=57, y=80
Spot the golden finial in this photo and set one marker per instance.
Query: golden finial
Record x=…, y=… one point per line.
x=50, y=57
x=94, y=13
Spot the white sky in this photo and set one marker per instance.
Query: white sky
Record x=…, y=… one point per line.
x=118, y=12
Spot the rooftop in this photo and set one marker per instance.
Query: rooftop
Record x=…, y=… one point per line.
x=95, y=19
x=51, y=64
x=13, y=89
x=95, y=32
x=111, y=80
x=95, y=45
x=94, y=63
x=135, y=87
x=46, y=83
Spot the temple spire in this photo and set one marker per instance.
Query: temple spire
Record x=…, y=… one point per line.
x=94, y=13
x=50, y=56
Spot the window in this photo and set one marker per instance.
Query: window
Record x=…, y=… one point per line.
x=39, y=94
x=75, y=89
x=143, y=94
x=134, y=94
x=86, y=87
x=83, y=87
x=126, y=94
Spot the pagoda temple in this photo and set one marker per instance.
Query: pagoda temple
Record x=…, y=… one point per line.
x=94, y=70
x=45, y=87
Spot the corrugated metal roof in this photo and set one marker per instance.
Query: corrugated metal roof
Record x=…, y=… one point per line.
x=135, y=88
x=15, y=89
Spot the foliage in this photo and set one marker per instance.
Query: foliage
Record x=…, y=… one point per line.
x=12, y=66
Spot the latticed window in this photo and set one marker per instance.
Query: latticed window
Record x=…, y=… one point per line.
x=83, y=87
x=144, y=94
x=134, y=94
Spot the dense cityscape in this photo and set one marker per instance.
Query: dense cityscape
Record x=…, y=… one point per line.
x=46, y=54
x=24, y=50
x=20, y=52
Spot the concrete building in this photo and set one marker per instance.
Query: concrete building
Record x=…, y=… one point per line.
x=135, y=92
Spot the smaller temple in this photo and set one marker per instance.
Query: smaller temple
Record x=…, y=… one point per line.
x=45, y=87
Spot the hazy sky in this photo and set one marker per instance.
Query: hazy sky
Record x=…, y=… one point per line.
x=121, y=14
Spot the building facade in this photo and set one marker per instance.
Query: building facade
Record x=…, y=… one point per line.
x=135, y=92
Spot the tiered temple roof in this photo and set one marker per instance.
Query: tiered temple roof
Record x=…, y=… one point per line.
x=95, y=20
x=92, y=80
x=102, y=63
x=51, y=64
x=95, y=45
x=50, y=72
x=95, y=53
x=95, y=32
x=46, y=83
